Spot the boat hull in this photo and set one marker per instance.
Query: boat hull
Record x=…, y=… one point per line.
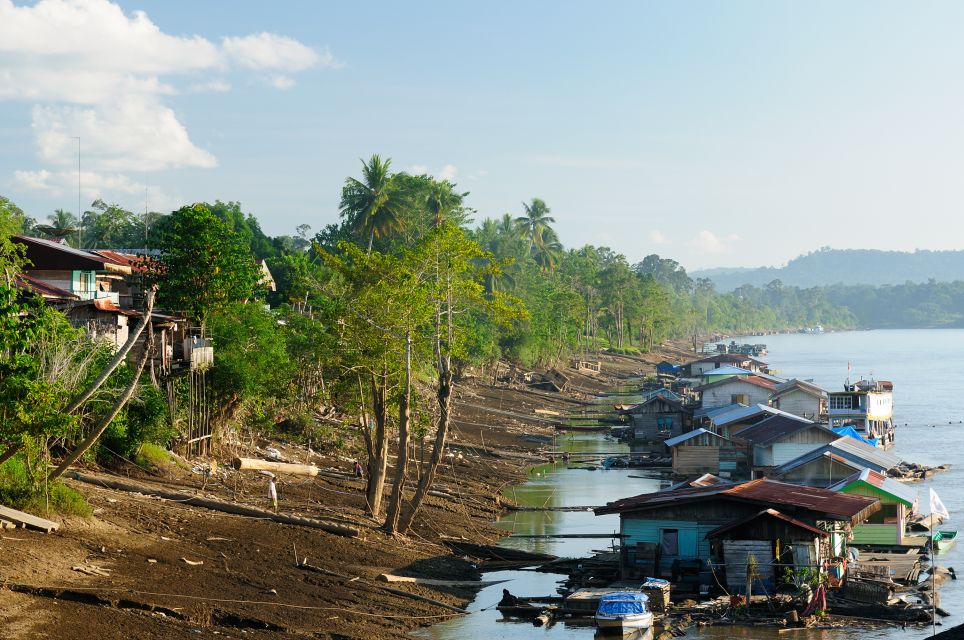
x=627, y=622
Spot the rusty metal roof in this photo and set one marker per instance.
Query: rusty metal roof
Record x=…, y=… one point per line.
x=763, y=491
x=755, y=380
x=27, y=283
x=766, y=513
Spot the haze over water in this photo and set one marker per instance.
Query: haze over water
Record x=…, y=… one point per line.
x=928, y=394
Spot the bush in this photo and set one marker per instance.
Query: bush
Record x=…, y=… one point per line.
x=17, y=491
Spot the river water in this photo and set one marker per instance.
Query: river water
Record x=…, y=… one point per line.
x=924, y=366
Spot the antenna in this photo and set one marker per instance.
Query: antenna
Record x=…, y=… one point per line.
x=80, y=231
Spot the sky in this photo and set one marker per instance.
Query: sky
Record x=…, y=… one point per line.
x=715, y=133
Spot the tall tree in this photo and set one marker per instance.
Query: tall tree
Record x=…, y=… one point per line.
x=203, y=264
x=63, y=224
x=375, y=205
x=535, y=219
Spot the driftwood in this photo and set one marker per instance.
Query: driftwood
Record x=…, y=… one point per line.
x=253, y=464
x=25, y=519
x=217, y=505
x=429, y=582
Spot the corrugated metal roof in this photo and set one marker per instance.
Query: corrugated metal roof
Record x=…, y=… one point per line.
x=40, y=251
x=848, y=449
x=766, y=513
x=776, y=428
x=803, y=385
x=727, y=370
x=25, y=282
x=689, y=435
x=879, y=481
x=762, y=491
x=755, y=380
x=711, y=412
x=728, y=357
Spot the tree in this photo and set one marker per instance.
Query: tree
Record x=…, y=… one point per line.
x=203, y=265
x=63, y=224
x=376, y=205
x=535, y=219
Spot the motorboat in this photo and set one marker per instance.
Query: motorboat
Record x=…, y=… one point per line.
x=623, y=611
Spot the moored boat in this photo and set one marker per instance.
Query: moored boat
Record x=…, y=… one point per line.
x=623, y=611
x=945, y=539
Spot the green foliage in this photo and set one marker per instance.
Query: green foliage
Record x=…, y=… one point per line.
x=152, y=456
x=204, y=265
x=19, y=490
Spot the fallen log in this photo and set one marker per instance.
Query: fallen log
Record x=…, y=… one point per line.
x=429, y=582
x=254, y=464
x=217, y=505
x=27, y=520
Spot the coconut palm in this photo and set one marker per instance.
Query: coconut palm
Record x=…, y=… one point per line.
x=375, y=206
x=63, y=224
x=536, y=219
x=547, y=250
x=445, y=204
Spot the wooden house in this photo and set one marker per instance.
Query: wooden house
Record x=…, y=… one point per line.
x=717, y=360
x=702, y=451
x=898, y=501
x=777, y=543
x=664, y=528
x=801, y=398
x=782, y=438
x=660, y=417
x=86, y=275
x=834, y=461
x=743, y=390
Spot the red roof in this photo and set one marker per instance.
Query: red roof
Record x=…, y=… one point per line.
x=135, y=262
x=762, y=491
x=27, y=283
x=106, y=304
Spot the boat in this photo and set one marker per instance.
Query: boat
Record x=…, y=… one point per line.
x=623, y=611
x=520, y=610
x=945, y=539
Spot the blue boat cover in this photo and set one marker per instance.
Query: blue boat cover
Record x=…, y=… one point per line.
x=622, y=603
x=853, y=433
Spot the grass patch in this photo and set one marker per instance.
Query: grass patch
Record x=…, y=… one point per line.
x=153, y=455
x=17, y=491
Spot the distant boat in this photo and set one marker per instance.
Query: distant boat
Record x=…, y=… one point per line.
x=623, y=611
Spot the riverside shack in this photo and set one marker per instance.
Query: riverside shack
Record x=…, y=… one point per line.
x=834, y=461
x=897, y=500
x=661, y=530
x=702, y=451
x=782, y=438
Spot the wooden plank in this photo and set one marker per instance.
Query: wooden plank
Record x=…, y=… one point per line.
x=429, y=582
x=32, y=522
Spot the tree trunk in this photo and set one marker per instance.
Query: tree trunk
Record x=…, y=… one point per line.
x=114, y=410
x=378, y=462
x=428, y=476
x=401, y=460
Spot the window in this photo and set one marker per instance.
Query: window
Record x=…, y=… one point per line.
x=669, y=542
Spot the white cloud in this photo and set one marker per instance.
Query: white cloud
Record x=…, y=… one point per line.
x=711, y=243
x=134, y=134
x=94, y=71
x=657, y=237
x=93, y=185
x=449, y=172
x=269, y=51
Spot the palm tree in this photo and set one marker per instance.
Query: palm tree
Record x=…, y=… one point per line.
x=63, y=224
x=547, y=250
x=444, y=203
x=374, y=205
x=536, y=219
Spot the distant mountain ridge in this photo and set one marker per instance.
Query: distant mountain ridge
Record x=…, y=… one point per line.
x=847, y=266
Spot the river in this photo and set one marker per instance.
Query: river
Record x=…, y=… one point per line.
x=928, y=409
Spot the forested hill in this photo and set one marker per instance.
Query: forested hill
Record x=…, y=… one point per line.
x=847, y=266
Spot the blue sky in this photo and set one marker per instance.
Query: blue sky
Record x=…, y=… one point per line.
x=720, y=134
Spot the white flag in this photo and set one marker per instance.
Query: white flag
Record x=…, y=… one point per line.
x=937, y=507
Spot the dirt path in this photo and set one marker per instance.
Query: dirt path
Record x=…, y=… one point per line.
x=152, y=568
